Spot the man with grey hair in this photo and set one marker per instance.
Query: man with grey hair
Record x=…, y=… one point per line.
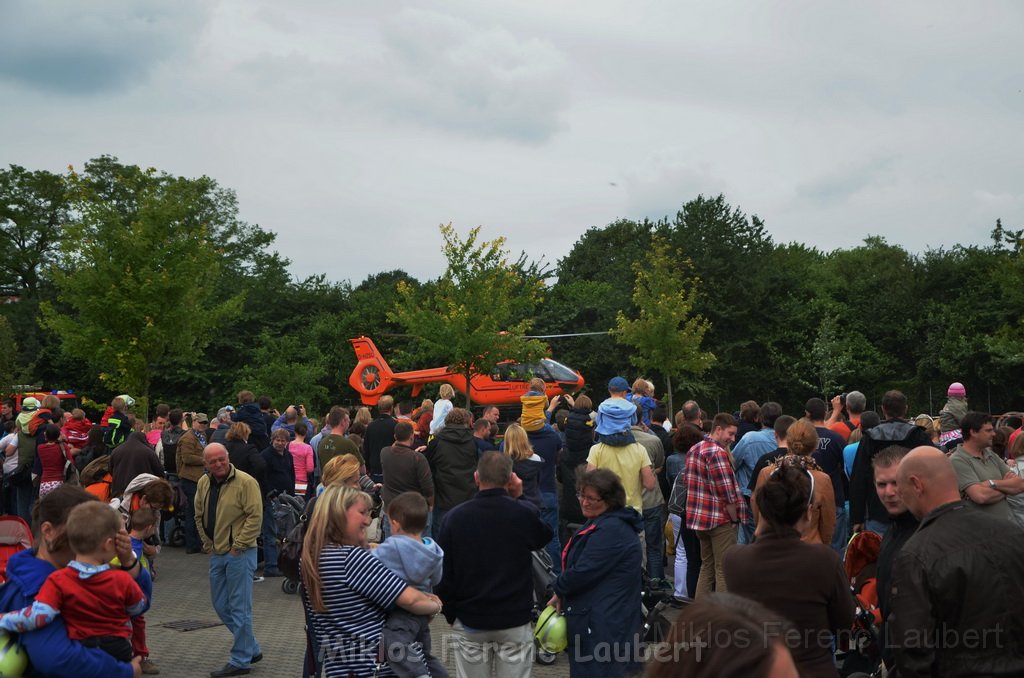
x=222, y=423
x=689, y=414
x=854, y=404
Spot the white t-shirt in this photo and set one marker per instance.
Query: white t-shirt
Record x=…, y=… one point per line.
x=11, y=462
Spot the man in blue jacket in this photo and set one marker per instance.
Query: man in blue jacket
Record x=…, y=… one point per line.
x=487, y=584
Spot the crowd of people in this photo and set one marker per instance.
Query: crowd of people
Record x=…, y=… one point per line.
x=741, y=519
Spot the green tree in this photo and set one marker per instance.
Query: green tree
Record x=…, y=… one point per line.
x=33, y=211
x=666, y=335
x=476, y=314
x=292, y=367
x=140, y=263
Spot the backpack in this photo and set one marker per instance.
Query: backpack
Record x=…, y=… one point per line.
x=677, y=499
x=169, y=442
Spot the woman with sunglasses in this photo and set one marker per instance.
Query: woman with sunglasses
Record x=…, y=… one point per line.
x=802, y=440
x=598, y=590
x=802, y=582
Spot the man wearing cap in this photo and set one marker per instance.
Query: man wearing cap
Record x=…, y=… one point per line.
x=617, y=449
x=223, y=425
x=191, y=466
x=954, y=409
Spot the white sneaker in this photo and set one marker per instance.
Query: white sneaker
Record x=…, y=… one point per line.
x=256, y=579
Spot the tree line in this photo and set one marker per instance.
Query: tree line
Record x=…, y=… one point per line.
x=127, y=279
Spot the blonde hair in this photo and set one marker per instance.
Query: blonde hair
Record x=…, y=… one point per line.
x=640, y=386
x=239, y=431
x=517, y=443
x=326, y=526
x=363, y=416
x=447, y=392
x=339, y=469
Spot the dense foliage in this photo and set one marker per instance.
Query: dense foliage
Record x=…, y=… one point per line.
x=122, y=278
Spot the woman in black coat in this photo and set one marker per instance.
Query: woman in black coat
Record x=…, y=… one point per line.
x=598, y=590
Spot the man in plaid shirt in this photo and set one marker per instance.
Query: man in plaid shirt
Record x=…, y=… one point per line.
x=714, y=506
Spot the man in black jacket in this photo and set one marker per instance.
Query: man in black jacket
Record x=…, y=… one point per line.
x=866, y=511
x=956, y=595
x=379, y=434
x=487, y=584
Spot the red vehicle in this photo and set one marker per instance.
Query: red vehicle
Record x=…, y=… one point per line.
x=68, y=399
x=372, y=378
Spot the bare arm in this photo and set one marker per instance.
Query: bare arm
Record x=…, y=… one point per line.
x=417, y=602
x=981, y=493
x=647, y=477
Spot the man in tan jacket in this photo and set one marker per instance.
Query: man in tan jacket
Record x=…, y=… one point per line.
x=229, y=516
x=191, y=466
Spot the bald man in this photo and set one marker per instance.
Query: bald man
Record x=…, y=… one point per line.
x=955, y=596
x=229, y=516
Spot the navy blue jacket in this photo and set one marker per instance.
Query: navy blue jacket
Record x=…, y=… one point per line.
x=250, y=414
x=600, y=587
x=488, y=572
x=546, y=443
x=280, y=470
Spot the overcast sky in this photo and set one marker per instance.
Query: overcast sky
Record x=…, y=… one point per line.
x=352, y=129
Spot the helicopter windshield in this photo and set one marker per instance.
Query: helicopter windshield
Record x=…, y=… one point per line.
x=558, y=371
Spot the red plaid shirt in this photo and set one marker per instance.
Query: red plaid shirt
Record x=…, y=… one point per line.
x=711, y=484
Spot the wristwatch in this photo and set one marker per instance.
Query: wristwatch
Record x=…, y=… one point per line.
x=992, y=484
x=128, y=567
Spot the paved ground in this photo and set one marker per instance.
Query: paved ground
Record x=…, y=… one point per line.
x=182, y=592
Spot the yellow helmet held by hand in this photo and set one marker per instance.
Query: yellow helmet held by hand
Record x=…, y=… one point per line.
x=13, y=660
x=550, y=631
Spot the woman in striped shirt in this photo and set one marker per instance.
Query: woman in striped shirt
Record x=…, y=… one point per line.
x=348, y=591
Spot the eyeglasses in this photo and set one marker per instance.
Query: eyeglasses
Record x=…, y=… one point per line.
x=584, y=499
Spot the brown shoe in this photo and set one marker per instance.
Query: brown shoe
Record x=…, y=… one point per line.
x=149, y=667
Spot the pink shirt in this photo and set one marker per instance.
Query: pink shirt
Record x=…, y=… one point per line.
x=302, y=457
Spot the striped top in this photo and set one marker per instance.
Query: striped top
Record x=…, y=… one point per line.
x=358, y=590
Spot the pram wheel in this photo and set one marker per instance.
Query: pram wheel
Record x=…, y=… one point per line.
x=545, y=658
x=178, y=536
x=290, y=586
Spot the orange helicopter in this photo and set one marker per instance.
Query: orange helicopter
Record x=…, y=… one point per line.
x=372, y=378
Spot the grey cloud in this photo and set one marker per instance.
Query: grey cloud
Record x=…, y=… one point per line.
x=845, y=181
x=92, y=47
x=659, y=187
x=471, y=79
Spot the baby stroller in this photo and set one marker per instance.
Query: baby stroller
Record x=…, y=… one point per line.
x=15, y=535
x=288, y=510
x=173, y=517
x=863, y=653
x=652, y=606
x=543, y=579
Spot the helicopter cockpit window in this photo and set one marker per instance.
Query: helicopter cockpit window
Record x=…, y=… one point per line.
x=521, y=372
x=558, y=371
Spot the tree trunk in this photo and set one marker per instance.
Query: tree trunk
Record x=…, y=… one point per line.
x=469, y=391
x=671, y=410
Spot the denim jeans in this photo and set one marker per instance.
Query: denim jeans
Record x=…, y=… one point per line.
x=26, y=494
x=842, y=534
x=654, y=534
x=747, y=527
x=192, y=542
x=269, y=539
x=231, y=591
x=549, y=514
x=680, y=587
x=877, y=526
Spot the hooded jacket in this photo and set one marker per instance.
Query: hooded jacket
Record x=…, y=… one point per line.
x=50, y=651
x=250, y=414
x=600, y=591
x=452, y=458
x=864, y=501
x=418, y=563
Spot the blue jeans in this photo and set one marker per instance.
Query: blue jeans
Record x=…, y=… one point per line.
x=231, y=590
x=842, y=534
x=747, y=527
x=25, y=495
x=269, y=539
x=192, y=542
x=654, y=535
x=549, y=514
x=877, y=526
